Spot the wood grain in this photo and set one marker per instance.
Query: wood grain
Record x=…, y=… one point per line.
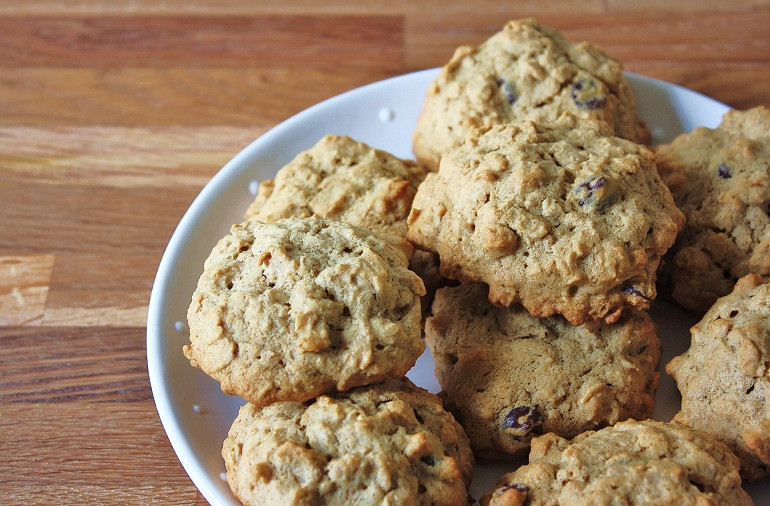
x=114, y=115
x=221, y=41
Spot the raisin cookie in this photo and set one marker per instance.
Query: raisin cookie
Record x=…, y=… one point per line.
x=563, y=218
x=508, y=376
x=724, y=377
x=391, y=443
x=525, y=71
x=345, y=180
x=721, y=181
x=342, y=179
x=304, y=306
x=645, y=462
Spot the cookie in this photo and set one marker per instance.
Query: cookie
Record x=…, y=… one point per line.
x=342, y=179
x=524, y=72
x=724, y=377
x=304, y=306
x=645, y=462
x=345, y=180
x=721, y=181
x=508, y=376
x=563, y=218
x=391, y=443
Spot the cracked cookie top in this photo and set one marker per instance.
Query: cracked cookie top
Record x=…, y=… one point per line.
x=720, y=179
x=508, y=376
x=724, y=376
x=390, y=443
x=345, y=180
x=525, y=71
x=645, y=462
x=304, y=306
x=561, y=217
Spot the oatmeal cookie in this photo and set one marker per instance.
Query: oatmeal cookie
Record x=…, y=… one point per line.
x=391, y=443
x=508, y=376
x=724, y=377
x=563, y=218
x=720, y=179
x=304, y=306
x=525, y=71
x=646, y=462
x=342, y=179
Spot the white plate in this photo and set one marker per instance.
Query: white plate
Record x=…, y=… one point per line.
x=195, y=413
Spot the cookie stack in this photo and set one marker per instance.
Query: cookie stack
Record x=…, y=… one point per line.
x=541, y=222
x=552, y=215
x=309, y=312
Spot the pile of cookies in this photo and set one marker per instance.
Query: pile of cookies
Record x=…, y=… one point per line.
x=526, y=241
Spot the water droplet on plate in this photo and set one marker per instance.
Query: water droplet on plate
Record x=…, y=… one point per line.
x=179, y=326
x=254, y=187
x=386, y=114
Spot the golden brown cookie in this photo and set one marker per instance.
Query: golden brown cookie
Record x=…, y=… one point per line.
x=724, y=377
x=562, y=218
x=345, y=180
x=304, y=306
x=721, y=181
x=390, y=443
x=525, y=71
x=508, y=376
x=632, y=462
x=342, y=179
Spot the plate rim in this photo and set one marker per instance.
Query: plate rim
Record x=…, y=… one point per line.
x=155, y=334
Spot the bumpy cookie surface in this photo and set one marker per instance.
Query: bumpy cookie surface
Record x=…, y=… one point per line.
x=508, y=376
x=724, y=377
x=345, y=180
x=720, y=179
x=391, y=443
x=632, y=462
x=562, y=218
x=301, y=307
x=525, y=71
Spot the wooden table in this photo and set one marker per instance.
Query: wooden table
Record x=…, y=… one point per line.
x=113, y=117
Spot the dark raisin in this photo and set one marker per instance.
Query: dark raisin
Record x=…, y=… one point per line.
x=635, y=291
x=428, y=460
x=587, y=189
x=723, y=171
x=523, y=420
x=588, y=94
x=520, y=487
x=507, y=89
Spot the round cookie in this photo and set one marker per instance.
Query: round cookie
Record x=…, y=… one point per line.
x=391, y=443
x=720, y=180
x=645, y=462
x=345, y=180
x=562, y=218
x=525, y=71
x=304, y=306
x=724, y=377
x=342, y=179
x=508, y=376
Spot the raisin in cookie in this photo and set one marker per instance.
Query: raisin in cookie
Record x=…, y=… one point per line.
x=390, y=443
x=721, y=181
x=508, y=376
x=632, y=462
x=304, y=306
x=525, y=71
x=562, y=218
x=346, y=180
x=724, y=377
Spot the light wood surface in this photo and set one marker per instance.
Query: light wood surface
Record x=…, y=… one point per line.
x=113, y=115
